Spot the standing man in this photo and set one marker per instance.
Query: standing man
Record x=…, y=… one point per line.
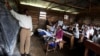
x=25, y=22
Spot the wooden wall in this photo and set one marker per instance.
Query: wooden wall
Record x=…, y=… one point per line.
x=89, y=20
x=52, y=16
x=91, y=16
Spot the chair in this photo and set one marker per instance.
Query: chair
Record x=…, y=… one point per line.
x=51, y=45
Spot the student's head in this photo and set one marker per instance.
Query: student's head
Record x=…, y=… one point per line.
x=96, y=32
x=91, y=26
x=26, y=11
x=59, y=27
x=74, y=29
x=86, y=28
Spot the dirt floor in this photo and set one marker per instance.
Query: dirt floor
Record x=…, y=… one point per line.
x=38, y=49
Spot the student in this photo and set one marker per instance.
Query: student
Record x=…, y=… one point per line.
x=76, y=34
x=59, y=37
x=76, y=31
x=97, y=28
x=91, y=31
x=95, y=39
x=45, y=34
x=25, y=22
x=85, y=34
x=70, y=29
x=65, y=27
x=48, y=23
x=96, y=36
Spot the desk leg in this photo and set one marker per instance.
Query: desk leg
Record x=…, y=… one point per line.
x=81, y=39
x=86, y=52
x=72, y=42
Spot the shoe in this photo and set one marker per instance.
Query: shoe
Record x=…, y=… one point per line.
x=28, y=55
x=22, y=54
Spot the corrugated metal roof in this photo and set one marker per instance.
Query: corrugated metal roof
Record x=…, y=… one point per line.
x=71, y=6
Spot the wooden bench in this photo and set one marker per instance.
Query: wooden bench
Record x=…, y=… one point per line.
x=71, y=37
x=92, y=46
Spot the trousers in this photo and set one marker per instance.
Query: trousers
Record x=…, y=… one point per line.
x=25, y=36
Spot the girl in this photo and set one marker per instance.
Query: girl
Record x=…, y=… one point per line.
x=59, y=37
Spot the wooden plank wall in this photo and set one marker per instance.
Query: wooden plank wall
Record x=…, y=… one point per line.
x=89, y=20
x=52, y=16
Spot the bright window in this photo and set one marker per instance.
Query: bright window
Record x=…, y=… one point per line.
x=42, y=15
x=66, y=17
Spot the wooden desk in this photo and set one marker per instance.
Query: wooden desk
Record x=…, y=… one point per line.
x=92, y=46
x=71, y=37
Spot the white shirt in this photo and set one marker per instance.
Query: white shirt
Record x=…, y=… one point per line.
x=83, y=26
x=65, y=27
x=86, y=34
x=24, y=20
x=47, y=32
x=76, y=33
x=97, y=28
x=95, y=38
x=91, y=31
x=52, y=28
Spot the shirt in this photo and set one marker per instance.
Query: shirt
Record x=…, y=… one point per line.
x=49, y=34
x=52, y=28
x=59, y=34
x=91, y=31
x=97, y=28
x=86, y=34
x=76, y=32
x=24, y=20
x=65, y=27
x=95, y=38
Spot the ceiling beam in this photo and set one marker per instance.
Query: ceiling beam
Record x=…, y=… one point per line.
x=49, y=5
x=69, y=5
x=67, y=9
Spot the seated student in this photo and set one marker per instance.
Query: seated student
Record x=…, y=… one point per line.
x=96, y=36
x=65, y=27
x=45, y=34
x=85, y=34
x=95, y=39
x=47, y=23
x=41, y=32
x=83, y=26
x=97, y=27
x=59, y=37
x=52, y=28
x=76, y=34
x=91, y=31
x=70, y=29
x=76, y=31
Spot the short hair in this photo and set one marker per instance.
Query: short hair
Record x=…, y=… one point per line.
x=60, y=26
x=25, y=10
